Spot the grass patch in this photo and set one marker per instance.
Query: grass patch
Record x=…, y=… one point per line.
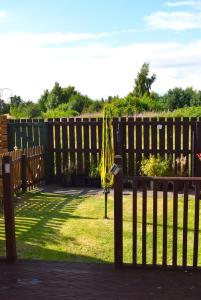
x=72, y=228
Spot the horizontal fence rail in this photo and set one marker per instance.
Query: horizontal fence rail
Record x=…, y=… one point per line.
x=165, y=222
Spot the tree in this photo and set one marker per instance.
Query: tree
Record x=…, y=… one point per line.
x=143, y=82
x=178, y=98
x=4, y=107
x=43, y=101
x=68, y=92
x=55, y=96
x=79, y=102
x=15, y=101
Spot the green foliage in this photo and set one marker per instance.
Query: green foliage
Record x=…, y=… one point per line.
x=4, y=107
x=143, y=82
x=177, y=98
x=43, y=101
x=156, y=166
x=59, y=112
x=26, y=110
x=188, y=112
x=132, y=105
x=123, y=107
x=79, y=102
x=94, y=170
x=95, y=106
x=15, y=101
x=54, y=97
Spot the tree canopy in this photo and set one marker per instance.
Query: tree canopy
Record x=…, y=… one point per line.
x=143, y=82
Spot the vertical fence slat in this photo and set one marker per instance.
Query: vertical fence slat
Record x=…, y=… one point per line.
x=30, y=133
x=116, y=133
x=193, y=146
x=18, y=135
x=130, y=147
x=146, y=137
x=36, y=134
x=72, y=142
x=186, y=143
x=196, y=224
x=144, y=222
x=185, y=224
x=175, y=224
x=155, y=195
x=198, y=149
x=162, y=136
x=65, y=146
x=165, y=187
x=134, y=221
x=118, y=214
x=93, y=141
x=154, y=136
x=50, y=150
x=79, y=146
x=170, y=136
x=24, y=134
x=177, y=141
x=123, y=140
x=138, y=144
x=99, y=137
x=86, y=147
x=58, y=148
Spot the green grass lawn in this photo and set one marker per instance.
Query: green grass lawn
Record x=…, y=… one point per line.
x=64, y=227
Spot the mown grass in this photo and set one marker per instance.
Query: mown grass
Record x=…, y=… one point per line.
x=72, y=228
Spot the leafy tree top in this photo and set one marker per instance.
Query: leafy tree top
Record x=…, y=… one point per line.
x=143, y=82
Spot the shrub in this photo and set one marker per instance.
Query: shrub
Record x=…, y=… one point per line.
x=94, y=170
x=156, y=166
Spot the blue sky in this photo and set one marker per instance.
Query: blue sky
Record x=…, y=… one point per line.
x=97, y=45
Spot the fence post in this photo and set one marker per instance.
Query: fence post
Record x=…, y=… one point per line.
x=24, y=172
x=9, y=209
x=118, y=214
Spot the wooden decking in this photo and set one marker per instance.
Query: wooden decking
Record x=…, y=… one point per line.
x=52, y=280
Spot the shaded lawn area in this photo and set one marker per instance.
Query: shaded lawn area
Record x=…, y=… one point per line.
x=58, y=226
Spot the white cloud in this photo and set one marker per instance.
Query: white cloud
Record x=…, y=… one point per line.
x=3, y=15
x=97, y=70
x=44, y=39
x=184, y=3
x=174, y=20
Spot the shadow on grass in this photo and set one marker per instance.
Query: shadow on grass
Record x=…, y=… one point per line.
x=39, y=217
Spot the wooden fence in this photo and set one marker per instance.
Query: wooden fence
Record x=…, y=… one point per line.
x=75, y=142
x=165, y=225
x=26, y=133
x=21, y=170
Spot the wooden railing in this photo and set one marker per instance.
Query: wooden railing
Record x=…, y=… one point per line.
x=21, y=170
x=165, y=217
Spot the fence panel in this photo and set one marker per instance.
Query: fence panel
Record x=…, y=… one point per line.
x=165, y=222
x=27, y=133
x=74, y=143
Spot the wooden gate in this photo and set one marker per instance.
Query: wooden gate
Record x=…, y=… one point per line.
x=165, y=221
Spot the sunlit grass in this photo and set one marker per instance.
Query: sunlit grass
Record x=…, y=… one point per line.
x=72, y=228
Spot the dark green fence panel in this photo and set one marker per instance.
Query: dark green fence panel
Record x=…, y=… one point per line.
x=27, y=133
